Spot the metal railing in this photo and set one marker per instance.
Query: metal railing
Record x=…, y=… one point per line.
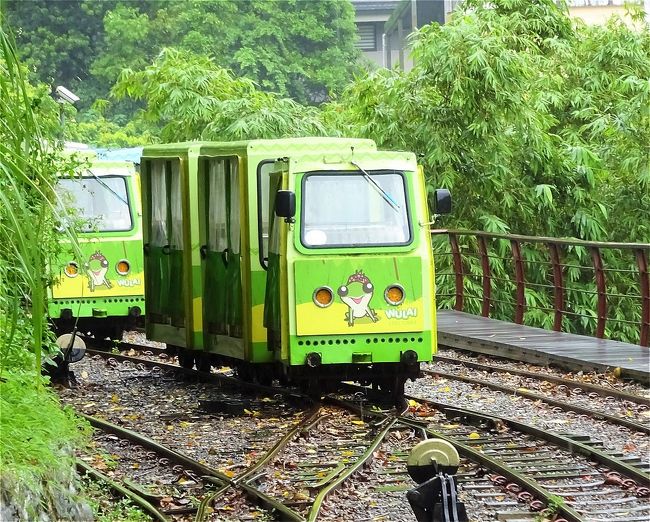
x=586, y=287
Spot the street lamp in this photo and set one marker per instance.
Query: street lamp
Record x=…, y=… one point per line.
x=64, y=96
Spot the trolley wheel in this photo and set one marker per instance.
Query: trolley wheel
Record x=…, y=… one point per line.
x=203, y=363
x=185, y=358
x=113, y=332
x=313, y=388
x=245, y=372
x=264, y=377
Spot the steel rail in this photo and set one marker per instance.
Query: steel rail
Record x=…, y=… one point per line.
x=264, y=499
x=122, y=490
x=111, y=344
x=318, y=501
x=575, y=447
x=155, y=446
x=570, y=383
x=308, y=420
x=124, y=345
x=212, y=474
x=474, y=455
x=561, y=441
x=272, y=504
x=614, y=419
x=206, y=501
x=312, y=417
x=209, y=473
x=532, y=486
x=349, y=471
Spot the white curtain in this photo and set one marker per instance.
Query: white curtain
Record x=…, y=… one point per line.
x=158, y=204
x=217, y=239
x=234, y=207
x=176, y=207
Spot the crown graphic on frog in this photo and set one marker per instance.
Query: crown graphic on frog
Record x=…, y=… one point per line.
x=97, y=256
x=358, y=277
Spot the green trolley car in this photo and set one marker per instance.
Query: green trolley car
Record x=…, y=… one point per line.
x=304, y=259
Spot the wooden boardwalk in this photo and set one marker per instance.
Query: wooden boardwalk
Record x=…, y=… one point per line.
x=534, y=345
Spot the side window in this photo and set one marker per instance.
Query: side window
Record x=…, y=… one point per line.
x=234, y=232
x=158, y=203
x=217, y=235
x=263, y=207
x=176, y=207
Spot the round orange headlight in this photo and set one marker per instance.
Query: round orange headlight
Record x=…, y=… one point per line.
x=71, y=269
x=394, y=295
x=323, y=297
x=122, y=267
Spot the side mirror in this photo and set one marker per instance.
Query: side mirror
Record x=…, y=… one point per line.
x=285, y=204
x=440, y=201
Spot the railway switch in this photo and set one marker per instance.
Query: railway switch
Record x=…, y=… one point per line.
x=432, y=464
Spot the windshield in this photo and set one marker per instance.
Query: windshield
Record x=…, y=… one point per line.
x=354, y=209
x=99, y=204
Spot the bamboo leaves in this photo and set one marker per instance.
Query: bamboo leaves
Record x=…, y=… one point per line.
x=27, y=206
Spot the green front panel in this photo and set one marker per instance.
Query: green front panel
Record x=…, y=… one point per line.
x=347, y=349
x=360, y=311
x=364, y=309
x=98, y=288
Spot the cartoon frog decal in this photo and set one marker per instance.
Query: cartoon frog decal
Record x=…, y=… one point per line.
x=97, y=267
x=357, y=293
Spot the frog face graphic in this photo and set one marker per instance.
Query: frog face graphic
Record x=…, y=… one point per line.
x=357, y=293
x=97, y=267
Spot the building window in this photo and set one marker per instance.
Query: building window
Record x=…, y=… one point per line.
x=595, y=3
x=367, y=36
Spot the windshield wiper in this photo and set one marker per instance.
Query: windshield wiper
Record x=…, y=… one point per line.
x=103, y=183
x=384, y=194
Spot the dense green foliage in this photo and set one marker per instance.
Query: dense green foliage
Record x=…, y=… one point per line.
x=191, y=97
x=521, y=115
x=297, y=48
x=34, y=454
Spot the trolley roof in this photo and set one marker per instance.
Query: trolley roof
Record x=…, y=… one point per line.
x=311, y=145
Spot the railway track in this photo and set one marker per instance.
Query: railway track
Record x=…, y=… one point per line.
x=156, y=478
x=548, y=465
x=289, y=480
x=575, y=476
x=572, y=385
x=565, y=405
x=507, y=468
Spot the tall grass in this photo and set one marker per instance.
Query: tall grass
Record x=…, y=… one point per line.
x=36, y=434
x=28, y=210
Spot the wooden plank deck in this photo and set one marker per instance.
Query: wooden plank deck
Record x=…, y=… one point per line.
x=525, y=343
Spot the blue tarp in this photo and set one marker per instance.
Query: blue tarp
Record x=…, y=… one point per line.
x=126, y=154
